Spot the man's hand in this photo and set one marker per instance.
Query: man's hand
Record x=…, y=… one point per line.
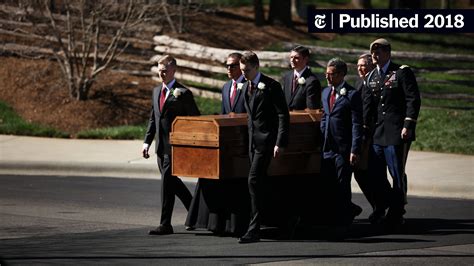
x=405, y=133
x=354, y=159
x=277, y=151
x=145, y=153
x=145, y=149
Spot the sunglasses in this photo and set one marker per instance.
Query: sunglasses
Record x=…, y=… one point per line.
x=231, y=65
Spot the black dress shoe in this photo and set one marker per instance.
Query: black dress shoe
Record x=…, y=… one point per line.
x=162, y=230
x=356, y=210
x=249, y=238
x=189, y=228
x=394, y=218
x=376, y=217
x=394, y=221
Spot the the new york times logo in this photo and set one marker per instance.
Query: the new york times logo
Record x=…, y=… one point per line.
x=319, y=21
x=384, y=20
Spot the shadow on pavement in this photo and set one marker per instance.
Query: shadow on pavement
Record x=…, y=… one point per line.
x=362, y=231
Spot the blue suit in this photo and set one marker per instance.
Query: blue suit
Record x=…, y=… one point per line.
x=239, y=99
x=342, y=132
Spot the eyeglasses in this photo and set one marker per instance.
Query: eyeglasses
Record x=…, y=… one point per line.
x=231, y=65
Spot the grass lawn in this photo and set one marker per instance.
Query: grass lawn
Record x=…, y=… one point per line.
x=206, y=106
x=120, y=132
x=12, y=123
x=440, y=88
x=433, y=43
x=445, y=130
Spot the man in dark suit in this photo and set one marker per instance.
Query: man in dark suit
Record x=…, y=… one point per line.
x=268, y=129
x=391, y=105
x=232, y=96
x=170, y=99
x=341, y=126
x=301, y=86
x=214, y=201
x=364, y=66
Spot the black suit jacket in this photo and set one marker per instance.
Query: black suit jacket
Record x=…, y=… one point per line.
x=342, y=127
x=307, y=95
x=393, y=101
x=159, y=123
x=239, y=99
x=268, y=116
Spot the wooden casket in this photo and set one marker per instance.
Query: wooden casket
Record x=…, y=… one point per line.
x=216, y=146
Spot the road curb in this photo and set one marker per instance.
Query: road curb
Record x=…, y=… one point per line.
x=80, y=169
x=150, y=171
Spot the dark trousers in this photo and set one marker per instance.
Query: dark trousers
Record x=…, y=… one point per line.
x=361, y=173
x=393, y=157
x=362, y=178
x=259, y=163
x=171, y=186
x=336, y=173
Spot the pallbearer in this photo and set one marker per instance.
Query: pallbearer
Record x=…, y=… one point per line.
x=341, y=126
x=170, y=99
x=268, y=129
x=302, y=88
x=221, y=206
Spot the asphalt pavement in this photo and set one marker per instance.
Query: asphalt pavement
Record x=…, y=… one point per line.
x=429, y=174
x=446, y=178
x=92, y=220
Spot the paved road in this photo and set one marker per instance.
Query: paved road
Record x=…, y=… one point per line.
x=99, y=220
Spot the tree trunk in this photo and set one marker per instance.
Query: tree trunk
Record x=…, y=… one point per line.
x=405, y=4
x=364, y=4
x=259, y=14
x=446, y=4
x=181, y=17
x=83, y=90
x=280, y=13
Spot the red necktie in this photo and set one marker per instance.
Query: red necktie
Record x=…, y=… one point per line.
x=295, y=79
x=232, y=93
x=162, y=97
x=332, y=99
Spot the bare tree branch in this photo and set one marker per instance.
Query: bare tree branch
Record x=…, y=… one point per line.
x=168, y=17
x=87, y=36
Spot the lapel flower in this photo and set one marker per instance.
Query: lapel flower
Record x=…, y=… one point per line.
x=261, y=86
x=343, y=91
x=177, y=92
x=240, y=85
x=301, y=81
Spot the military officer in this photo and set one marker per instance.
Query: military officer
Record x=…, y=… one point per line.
x=391, y=107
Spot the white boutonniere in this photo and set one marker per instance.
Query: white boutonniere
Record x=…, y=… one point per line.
x=240, y=85
x=343, y=91
x=261, y=86
x=301, y=81
x=177, y=92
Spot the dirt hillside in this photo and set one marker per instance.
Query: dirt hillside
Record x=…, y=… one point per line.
x=34, y=88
